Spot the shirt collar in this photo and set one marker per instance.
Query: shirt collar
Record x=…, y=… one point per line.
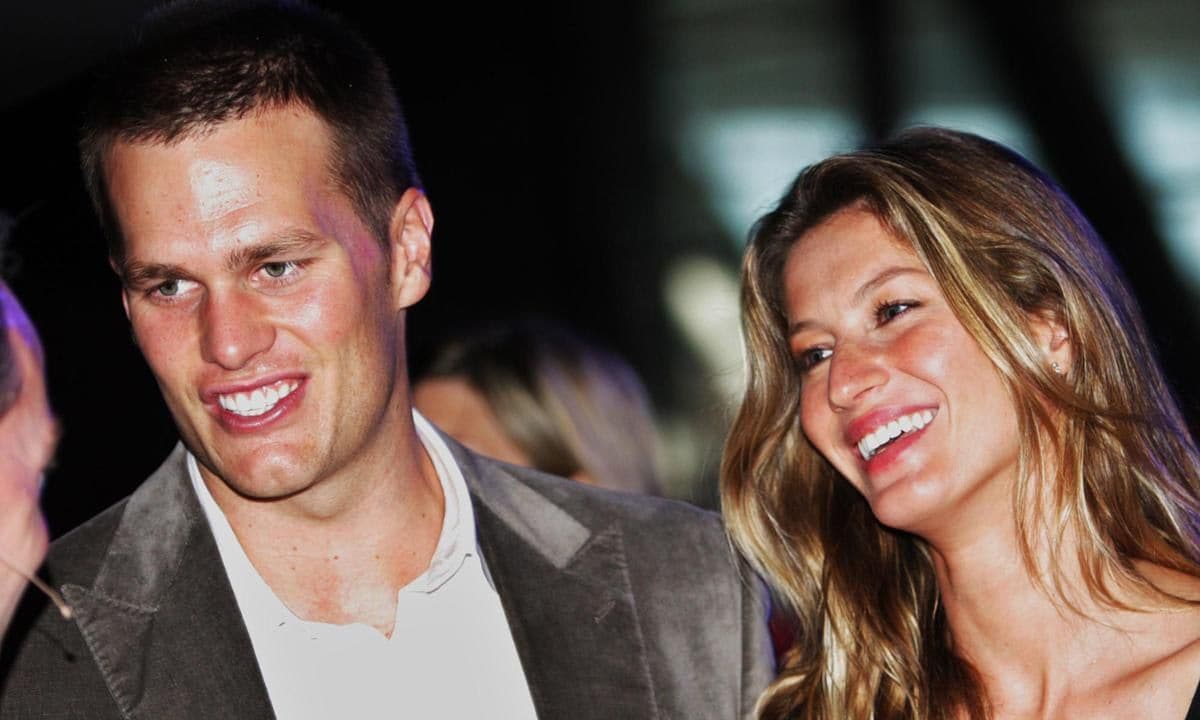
x=456, y=541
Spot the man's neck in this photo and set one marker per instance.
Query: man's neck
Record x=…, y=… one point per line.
x=346, y=565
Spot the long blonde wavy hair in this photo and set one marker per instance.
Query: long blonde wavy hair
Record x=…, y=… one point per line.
x=1121, y=471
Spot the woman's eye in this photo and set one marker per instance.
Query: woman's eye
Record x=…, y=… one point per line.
x=889, y=311
x=812, y=357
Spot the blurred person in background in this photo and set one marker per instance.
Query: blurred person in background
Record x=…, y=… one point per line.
x=28, y=435
x=957, y=458
x=531, y=392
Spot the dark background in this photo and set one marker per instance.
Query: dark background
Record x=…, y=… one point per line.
x=548, y=135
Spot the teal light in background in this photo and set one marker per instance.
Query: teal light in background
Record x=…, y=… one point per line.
x=747, y=92
x=1148, y=65
x=1159, y=122
x=993, y=121
x=745, y=159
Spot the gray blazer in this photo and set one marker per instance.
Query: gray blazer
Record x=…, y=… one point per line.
x=620, y=606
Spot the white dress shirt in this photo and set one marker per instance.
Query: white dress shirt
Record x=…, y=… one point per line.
x=451, y=653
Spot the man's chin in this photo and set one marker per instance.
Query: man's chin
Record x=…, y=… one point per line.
x=258, y=478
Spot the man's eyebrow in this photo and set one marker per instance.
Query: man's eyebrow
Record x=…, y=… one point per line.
x=134, y=273
x=287, y=241
x=864, y=290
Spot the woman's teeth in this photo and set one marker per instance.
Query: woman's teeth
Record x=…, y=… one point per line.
x=884, y=434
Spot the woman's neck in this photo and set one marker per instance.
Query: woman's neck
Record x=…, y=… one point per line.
x=1032, y=650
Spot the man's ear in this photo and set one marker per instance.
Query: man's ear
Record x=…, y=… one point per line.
x=1052, y=338
x=409, y=236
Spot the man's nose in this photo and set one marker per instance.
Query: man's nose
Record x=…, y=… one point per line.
x=234, y=329
x=855, y=369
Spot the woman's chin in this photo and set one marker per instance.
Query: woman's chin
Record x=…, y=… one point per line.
x=906, y=506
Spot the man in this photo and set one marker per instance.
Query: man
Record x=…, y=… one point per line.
x=313, y=548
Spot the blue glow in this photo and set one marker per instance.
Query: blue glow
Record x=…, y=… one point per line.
x=745, y=159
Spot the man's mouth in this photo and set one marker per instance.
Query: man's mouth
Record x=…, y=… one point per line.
x=259, y=400
x=882, y=436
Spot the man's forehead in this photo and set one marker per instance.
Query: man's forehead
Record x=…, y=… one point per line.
x=220, y=188
x=252, y=177
x=208, y=176
x=262, y=130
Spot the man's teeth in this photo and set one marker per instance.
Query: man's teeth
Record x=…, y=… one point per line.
x=884, y=434
x=260, y=400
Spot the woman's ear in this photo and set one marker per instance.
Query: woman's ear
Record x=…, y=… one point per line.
x=1051, y=335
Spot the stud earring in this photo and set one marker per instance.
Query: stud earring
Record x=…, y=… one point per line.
x=1056, y=368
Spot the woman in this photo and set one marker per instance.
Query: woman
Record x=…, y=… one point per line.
x=28, y=434
x=532, y=393
x=956, y=459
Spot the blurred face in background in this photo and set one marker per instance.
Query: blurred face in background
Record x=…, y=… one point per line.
x=28, y=430
x=459, y=409
x=28, y=436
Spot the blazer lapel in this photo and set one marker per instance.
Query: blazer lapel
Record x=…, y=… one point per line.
x=566, y=593
x=161, y=618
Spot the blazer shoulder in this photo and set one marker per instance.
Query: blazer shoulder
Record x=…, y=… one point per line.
x=76, y=556
x=659, y=531
x=493, y=480
x=43, y=668
x=591, y=501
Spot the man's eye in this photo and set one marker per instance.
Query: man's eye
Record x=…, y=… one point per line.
x=170, y=290
x=812, y=357
x=278, y=269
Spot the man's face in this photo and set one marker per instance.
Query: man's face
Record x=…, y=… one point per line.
x=269, y=314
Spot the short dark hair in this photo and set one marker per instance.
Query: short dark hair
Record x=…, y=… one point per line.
x=197, y=64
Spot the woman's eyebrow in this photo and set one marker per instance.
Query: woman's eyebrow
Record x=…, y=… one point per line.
x=864, y=290
x=882, y=277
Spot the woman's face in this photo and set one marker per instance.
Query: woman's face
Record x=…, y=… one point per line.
x=894, y=392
